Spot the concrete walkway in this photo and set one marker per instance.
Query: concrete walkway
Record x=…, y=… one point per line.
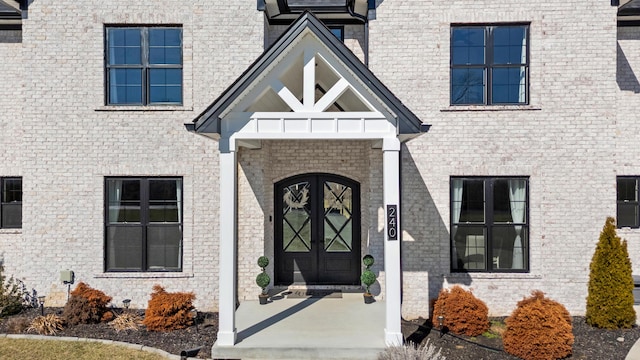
x=634, y=353
x=312, y=328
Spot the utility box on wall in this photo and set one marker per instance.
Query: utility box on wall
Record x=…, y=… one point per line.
x=66, y=276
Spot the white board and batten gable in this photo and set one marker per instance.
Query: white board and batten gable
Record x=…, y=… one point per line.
x=307, y=85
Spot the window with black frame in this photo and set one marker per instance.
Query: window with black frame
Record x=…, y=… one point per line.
x=489, y=64
x=143, y=224
x=144, y=65
x=11, y=202
x=627, y=214
x=489, y=224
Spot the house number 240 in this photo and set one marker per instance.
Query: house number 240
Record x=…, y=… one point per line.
x=392, y=222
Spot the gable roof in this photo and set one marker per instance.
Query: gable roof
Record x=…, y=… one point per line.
x=209, y=120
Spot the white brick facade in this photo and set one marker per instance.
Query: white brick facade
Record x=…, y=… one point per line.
x=577, y=134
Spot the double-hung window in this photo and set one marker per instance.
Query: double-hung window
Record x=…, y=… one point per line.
x=143, y=224
x=627, y=204
x=489, y=224
x=144, y=65
x=10, y=202
x=489, y=64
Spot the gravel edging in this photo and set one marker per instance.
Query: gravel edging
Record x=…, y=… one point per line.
x=102, y=341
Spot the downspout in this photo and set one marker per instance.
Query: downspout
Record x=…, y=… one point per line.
x=365, y=19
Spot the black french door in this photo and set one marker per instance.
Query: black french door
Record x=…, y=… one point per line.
x=317, y=230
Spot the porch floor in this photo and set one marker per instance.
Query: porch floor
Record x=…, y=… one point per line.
x=312, y=328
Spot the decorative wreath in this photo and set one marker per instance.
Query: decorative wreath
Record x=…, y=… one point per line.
x=288, y=199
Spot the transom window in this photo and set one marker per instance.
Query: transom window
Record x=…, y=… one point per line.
x=144, y=65
x=143, y=224
x=10, y=202
x=489, y=224
x=489, y=64
x=627, y=201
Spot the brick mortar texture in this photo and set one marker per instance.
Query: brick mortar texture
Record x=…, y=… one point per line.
x=56, y=132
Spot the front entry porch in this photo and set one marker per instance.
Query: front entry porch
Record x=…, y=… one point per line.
x=281, y=97
x=311, y=328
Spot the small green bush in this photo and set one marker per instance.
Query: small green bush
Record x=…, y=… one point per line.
x=539, y=329
x=12, y=294
x=368, y=278
x=610, y=292
x=368, y=260
x=463, y=312
x=263, y=262
x=263, y=280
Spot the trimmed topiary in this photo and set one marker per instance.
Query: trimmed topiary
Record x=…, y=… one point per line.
x=368, y=260
x=538, y=329
x=263, y=280
x=263, y=262
x=463, y=312
x=368, y=277
x=610, y=292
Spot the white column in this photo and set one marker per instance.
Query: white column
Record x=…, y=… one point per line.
x=227, y=253
x=391, y=186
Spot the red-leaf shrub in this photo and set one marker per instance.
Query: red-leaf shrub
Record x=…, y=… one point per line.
x=539, y=329
x=168, y=311
x=86, y=306
x=463, y=312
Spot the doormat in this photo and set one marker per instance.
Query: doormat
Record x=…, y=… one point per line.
x=309, y=293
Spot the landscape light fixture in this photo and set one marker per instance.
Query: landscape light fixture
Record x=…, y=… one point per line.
x=126, y=303
x=441, y=323
x=195, y=318
x=41, y=301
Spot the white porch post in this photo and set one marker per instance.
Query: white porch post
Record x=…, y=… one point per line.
x=391, y=185
x=227, y=252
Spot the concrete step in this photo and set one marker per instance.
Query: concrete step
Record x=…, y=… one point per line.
x=219, y=352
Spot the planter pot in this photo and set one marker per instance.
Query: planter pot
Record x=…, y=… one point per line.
x=263, y=299
x=368, y=299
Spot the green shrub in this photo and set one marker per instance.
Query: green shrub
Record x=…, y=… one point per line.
x=12, y=294
x=368, y=260
x=168, y=311
x=538, y=329
x=368, y=278
x=463, y=312
x=263, y=262
x=263, y=280
x=610, y=292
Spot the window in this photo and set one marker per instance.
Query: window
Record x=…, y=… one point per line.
x=11, y=202
x=489, y=64
x=489, y=225
x=338, y=31
x=144, y=65
x=143, y=218
x=627, y=196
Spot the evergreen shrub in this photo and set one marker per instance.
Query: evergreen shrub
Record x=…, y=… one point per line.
x=463, y=312
x=610, y=292
x=12, y=294
x=86, y=306
x=538, y=329
x=169, y=311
